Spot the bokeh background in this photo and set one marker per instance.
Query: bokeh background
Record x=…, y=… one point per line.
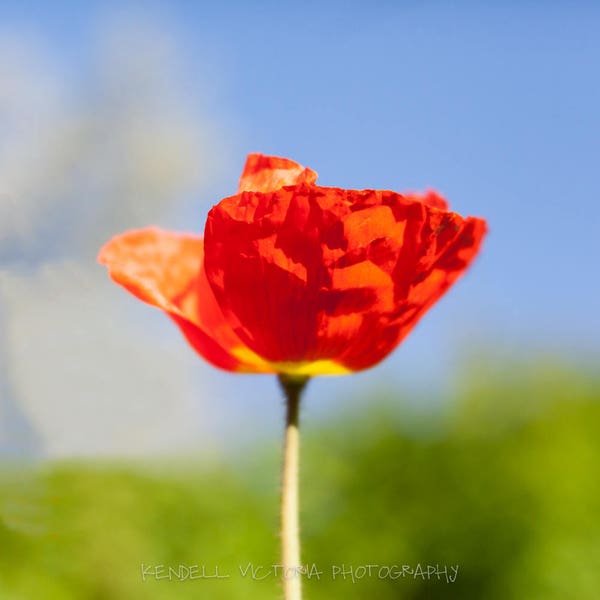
x=475, y=444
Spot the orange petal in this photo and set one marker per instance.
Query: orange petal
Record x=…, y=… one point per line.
x=311, y=274
x=267, y=173
x=165, y=269
x=378, y=335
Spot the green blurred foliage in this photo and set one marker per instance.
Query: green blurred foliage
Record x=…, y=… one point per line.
x=500, y=481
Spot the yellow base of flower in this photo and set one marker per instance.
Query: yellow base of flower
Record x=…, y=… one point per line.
x=252, y=363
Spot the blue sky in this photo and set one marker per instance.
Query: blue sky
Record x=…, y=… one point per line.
x=496, y=105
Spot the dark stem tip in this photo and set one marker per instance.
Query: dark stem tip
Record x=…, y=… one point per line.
x=292, y=385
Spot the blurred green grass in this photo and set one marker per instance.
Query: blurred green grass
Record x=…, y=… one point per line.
x=500, y=480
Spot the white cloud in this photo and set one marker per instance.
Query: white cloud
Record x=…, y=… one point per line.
x=83, y=157
x=89, y=380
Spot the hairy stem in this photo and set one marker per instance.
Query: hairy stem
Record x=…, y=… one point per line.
x=290, y=532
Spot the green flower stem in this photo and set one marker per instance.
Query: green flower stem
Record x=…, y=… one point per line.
x=290, y=531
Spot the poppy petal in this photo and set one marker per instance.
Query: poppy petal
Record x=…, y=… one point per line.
x=268, y=173
x=378, y=335
x=165, y=269
x=344, y=274
x=430, y=198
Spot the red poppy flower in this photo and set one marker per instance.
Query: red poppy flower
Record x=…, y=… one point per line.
x=298, y=279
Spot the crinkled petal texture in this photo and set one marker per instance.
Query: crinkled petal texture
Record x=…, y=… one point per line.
x=269, y=173
x=165, y=269
x=299, y=279
x=319, y=280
